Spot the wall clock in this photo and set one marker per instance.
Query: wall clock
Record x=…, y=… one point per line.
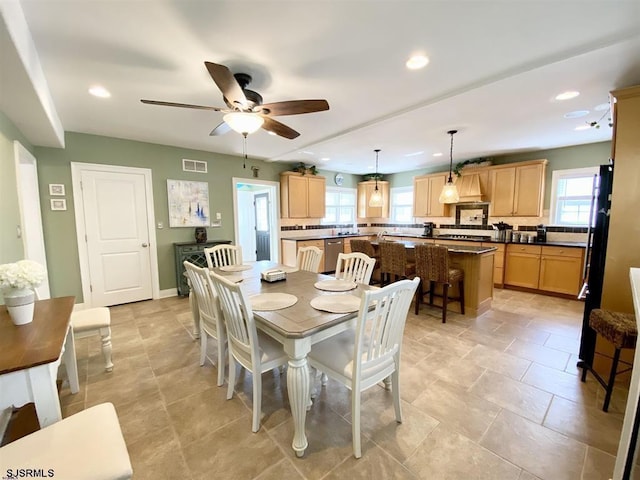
x=339, y=179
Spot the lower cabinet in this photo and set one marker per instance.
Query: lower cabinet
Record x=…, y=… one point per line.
x=561, y=270
x=545, y=268
x=498, y=263
x=523, y=265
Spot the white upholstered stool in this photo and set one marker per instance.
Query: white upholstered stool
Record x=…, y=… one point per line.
x=87, y=445
x=95, y=320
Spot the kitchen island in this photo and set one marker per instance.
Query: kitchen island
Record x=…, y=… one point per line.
x=477, y=264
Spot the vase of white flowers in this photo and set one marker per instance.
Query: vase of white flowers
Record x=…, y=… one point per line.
x=17, y=281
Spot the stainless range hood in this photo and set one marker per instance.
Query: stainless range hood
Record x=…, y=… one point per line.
x=469, y=188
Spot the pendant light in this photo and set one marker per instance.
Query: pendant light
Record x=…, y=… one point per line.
x=450, y=191
x=376, y=197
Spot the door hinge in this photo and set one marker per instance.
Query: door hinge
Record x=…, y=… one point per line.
x=91, y=288
x=85, y=238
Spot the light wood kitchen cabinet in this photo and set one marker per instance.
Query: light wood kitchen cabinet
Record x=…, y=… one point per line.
x=290, y=249
x=518, y=190
x=522, y=265
x=365, y=189
x=561, y=270
x=302, y=196
x=498, y=262
x=426, y=193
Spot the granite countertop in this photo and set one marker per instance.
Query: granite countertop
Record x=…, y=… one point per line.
x=490, y=240
x=470, y=249
x=326, y=237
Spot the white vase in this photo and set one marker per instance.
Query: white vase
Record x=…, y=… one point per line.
x=20, y=304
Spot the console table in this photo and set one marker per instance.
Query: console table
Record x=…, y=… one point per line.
x=194, y=253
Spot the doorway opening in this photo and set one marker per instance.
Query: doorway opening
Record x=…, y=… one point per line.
x=257, y=218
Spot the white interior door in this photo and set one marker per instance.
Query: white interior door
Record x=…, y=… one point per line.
x=30, y=214
x=116, y=221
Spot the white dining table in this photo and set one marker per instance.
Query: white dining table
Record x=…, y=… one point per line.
x=298, y=327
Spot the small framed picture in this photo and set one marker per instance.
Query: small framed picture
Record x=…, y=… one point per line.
x=58, y=204
x=56, y=189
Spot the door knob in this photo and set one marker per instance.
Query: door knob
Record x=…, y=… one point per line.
x=145, y=245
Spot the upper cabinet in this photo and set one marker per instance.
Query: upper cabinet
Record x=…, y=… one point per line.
x=426, y=192
x=302, y=196
x=365, y=189
x=517, y=190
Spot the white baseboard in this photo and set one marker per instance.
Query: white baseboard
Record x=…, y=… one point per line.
x=170, y=292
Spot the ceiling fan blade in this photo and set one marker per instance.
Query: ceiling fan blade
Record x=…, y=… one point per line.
x=183, y=105
x=271, y=125
x=293, y=107
x=220, y=129
x=227, y=84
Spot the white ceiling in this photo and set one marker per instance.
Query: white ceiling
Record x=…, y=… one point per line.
x=495, y=68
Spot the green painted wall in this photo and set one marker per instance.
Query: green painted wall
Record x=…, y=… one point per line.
x=564, y=158
x=165, y=162
x=11, y=249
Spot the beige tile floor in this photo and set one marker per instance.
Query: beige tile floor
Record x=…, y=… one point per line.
x=494, y=397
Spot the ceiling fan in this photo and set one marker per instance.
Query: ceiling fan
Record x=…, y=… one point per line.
x=246, y=113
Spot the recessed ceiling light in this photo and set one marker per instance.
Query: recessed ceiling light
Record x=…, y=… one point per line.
x=307, y=152
x=416, y=62
x=577, y=114
x=582, y=127
x=414, y=154
x=439, y=154
x=602, y=107
x=567, y=95
x=325, y=159
x=98, y=91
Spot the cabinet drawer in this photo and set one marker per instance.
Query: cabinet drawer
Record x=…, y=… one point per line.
x=563, y=251
x=530, y=249
x=312, y=243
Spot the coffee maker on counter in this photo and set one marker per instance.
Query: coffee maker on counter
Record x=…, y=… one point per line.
x=428, y=229
x=541, y=234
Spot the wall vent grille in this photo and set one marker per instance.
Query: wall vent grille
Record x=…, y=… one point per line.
x=197, y=166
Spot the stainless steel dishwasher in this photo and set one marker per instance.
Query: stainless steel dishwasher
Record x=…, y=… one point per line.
x=332, y=247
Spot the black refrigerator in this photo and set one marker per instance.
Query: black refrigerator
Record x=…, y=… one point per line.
x=595, y=259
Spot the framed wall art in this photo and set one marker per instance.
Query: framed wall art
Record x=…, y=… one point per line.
x=58, y=204
x=188, y=203
x=56, y=189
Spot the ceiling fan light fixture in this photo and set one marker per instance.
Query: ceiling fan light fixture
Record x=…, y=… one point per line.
x=449, y=192
x=243, y=122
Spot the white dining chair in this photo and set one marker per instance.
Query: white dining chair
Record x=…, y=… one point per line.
x=309, y=259
x=223, y=255
x=361, y=358
x=211, y=322
x=355, y=267
x=254, y=350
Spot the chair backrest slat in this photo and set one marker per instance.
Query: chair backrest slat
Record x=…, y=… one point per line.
x=363, y=246
x=380, y=324
x=206, y=297
x=309, y=259
x=238, y=317
x=223, y=255
x=355, y=267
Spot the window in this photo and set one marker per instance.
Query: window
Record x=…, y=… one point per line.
x=340, y=206
x=571, y=193
x=402, y=205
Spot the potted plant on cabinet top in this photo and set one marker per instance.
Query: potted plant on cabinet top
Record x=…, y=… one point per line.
x=303, y=169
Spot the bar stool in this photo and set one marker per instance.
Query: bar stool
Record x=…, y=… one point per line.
x=432, y=265
x=393, y=261
x=620, y=329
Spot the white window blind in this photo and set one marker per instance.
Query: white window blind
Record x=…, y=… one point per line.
x=402, y=204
